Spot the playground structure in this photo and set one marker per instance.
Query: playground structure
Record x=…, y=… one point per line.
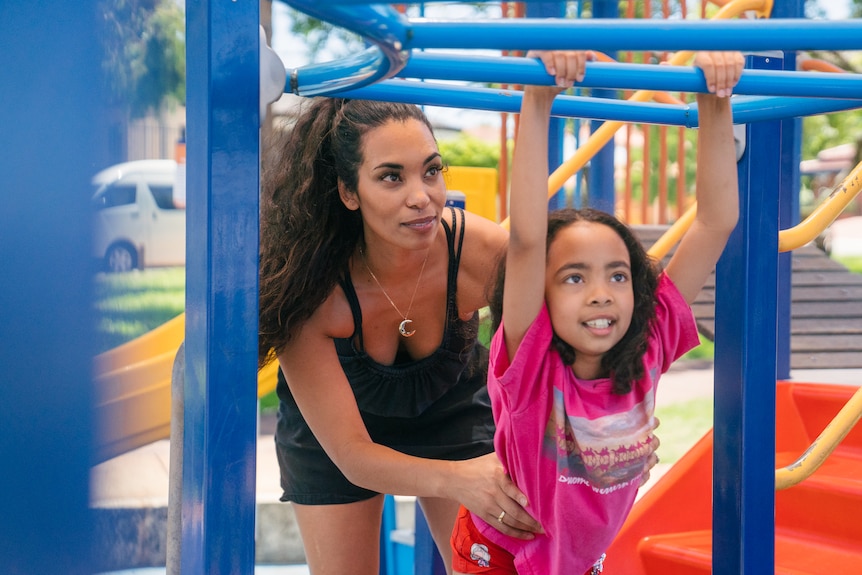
x=746, y=359
x=218, y=483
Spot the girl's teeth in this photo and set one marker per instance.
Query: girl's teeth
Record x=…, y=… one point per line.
x=599, y=323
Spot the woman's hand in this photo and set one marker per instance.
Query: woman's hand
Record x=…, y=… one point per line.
x=488, y=492
x=652, y=460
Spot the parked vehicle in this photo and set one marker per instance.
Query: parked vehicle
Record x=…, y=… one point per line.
x=136, y=221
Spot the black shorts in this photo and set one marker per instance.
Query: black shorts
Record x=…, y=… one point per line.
x=459, y=425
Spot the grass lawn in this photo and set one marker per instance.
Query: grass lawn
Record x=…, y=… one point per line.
x=682, y=424
x=131, y=304
x=852, y=263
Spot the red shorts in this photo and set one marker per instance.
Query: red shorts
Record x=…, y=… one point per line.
x=472, y=552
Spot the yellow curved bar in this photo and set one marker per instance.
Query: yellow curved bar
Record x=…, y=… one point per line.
x=823, y=446
x=673, y=234
x=789, y=239
x=823, y=215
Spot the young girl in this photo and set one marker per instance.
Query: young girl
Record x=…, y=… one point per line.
x=575, y=361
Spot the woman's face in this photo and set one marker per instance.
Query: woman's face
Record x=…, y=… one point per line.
x=401, y=192
x=588, y=287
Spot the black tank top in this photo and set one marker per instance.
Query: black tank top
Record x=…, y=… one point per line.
x=408, y=387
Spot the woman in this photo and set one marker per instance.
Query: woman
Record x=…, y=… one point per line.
x=370, y=288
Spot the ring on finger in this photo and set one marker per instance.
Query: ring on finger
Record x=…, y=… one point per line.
x=501, y=516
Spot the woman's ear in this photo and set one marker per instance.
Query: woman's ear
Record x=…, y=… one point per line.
x=348, y=198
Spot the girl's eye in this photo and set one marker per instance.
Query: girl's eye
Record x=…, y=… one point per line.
x=574, y=279
x=619, y=277
x=390, y=177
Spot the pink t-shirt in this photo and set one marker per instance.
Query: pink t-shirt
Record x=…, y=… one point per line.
x=574, y=448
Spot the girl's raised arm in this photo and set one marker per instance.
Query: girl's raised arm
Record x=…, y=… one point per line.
x=524, y=290
x=716, y=182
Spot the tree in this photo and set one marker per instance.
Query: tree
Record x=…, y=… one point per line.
x=144, y=54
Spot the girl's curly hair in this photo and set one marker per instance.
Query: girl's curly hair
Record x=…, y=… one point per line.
x=624, y=362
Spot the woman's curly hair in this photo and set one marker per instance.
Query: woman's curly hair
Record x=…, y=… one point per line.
x=624, y=362
x=307, y=235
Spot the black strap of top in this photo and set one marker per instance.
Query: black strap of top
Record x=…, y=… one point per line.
x=451, y=302
x=454, y=260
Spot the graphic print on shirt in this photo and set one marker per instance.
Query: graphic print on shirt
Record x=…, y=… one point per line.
x=606, y=453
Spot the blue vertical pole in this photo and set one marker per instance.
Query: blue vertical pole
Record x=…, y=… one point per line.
x=557, y=128
x=50, y=123
x=745, y=365
x=221, y=287
x=427, y=560
x=601, y=173
x=788, y=189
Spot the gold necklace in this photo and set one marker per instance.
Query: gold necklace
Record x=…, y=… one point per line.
x=402, y=327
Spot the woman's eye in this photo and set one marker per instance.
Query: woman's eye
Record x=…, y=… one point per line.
x=390, y=177
x=434, y=171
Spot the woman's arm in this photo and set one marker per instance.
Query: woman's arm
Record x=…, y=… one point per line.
x=716, y=182
x=324, y=397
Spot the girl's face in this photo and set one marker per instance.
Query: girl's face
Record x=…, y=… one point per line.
x=401, y=190
x=589, y=292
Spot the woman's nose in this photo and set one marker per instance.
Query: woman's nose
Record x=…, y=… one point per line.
x=419, y=196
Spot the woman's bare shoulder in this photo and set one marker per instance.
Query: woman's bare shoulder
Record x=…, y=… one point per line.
x=484, y=244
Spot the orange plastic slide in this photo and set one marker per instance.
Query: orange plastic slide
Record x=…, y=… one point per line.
x=817, y=529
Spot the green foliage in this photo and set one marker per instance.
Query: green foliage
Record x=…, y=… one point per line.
x=673, y=168
x=320, y=35
x=131, y=304
x=144, y=55
x=828, y=130
x=466, y=150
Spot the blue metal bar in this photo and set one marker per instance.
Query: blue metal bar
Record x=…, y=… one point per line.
x=622, y=34
x=746, y=108
x=745, y=366
x=557, y=125
x=379, y=24
x=426, y=557
x=426, y=93
x=788, y=206
x=220, y=396
x=323, y=79
x=602, y=187
x=620, y=76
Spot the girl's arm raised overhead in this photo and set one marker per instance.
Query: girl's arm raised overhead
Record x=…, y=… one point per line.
x=524, y=290
x=716, y=182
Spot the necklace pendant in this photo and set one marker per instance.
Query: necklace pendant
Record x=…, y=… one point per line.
x=402, y=328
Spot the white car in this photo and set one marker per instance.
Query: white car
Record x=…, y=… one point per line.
x=137, y=221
